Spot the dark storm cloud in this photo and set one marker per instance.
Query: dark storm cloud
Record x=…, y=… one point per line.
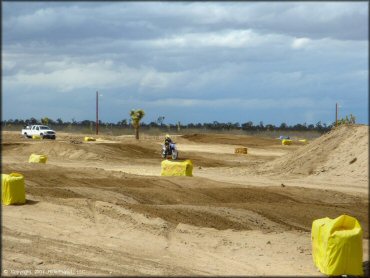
x=180, y=54
x=135, y=21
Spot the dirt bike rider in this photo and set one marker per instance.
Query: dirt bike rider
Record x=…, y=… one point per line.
x=169, y=148
x=168, y=141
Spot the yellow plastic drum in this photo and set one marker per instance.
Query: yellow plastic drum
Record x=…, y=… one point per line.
x=337, y=246
x=13, y=189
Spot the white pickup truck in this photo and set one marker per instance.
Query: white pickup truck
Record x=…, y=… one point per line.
x=42, y=130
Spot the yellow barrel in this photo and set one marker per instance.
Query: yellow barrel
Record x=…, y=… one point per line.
x=13, y=189
x=337, y=246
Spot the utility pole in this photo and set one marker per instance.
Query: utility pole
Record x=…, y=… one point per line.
x=97, y=113
x=336, y=114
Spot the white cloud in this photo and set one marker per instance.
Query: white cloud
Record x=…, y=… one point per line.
x=153, y=79
x=41, y=19
x=67, y=76
x=224, y=39
x=300, y=43
x=8, y=65
x=45, y=19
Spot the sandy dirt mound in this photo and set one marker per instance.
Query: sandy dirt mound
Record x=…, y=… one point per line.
x=341, y=152
x=244, y=140
x=73, y=150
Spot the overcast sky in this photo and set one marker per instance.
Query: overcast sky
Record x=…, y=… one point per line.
x=187, y=61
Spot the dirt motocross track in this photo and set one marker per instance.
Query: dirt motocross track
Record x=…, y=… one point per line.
x=102, y=208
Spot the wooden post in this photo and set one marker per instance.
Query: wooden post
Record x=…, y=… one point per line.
x=97, y=113
x=336, y=114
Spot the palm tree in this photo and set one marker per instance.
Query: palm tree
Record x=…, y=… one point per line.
x=45, y=121
x=136, y=117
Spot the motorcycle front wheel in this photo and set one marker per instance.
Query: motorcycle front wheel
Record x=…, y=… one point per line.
x=174, y=155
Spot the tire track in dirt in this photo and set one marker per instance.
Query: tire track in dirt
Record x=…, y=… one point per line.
x=46, y=254
x=150, y=195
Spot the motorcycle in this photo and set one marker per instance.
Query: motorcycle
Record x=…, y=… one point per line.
x=169, y=149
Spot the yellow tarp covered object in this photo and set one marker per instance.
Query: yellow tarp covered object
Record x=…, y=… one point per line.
x=241, y=150
x=13, y=190
x=177, y=168
x=36, y=137
x=286, y=142
x=89, y=139
x=37, y=158
x=337, y=246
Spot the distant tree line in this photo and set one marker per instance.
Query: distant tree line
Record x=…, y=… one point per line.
x=215, y=125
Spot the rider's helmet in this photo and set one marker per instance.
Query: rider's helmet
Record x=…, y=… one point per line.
x=167, y=140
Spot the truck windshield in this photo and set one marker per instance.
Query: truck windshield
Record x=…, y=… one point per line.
x=44, y=127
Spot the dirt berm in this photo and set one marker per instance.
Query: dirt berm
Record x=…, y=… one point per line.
x=342, y=152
